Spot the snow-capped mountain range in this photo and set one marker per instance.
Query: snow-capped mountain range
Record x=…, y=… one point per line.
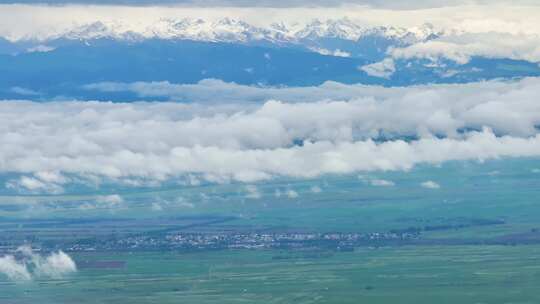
x=233, y=30
x=189, y=50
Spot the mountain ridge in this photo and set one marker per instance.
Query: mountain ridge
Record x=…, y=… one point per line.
x=235, y=30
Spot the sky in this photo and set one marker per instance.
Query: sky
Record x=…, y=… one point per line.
x=292, y=3
x=515, y=16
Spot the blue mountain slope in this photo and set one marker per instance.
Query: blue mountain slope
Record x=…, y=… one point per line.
x=73, y=64
x=182, y=62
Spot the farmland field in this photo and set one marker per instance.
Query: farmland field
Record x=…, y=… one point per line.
x=477, y=235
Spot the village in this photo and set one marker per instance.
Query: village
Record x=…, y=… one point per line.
x=255, y=240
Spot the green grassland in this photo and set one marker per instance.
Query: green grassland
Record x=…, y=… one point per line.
x=416, y=275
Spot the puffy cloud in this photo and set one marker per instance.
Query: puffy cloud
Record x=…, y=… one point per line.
x=182, y=202
x=186, y=205
x=110, y=200
x=31, y=183
x=51, y=177
x=56, y=265
x=336, y=52
x=382, y=69
x=45, y=142
x=252, y=192
x=365, y=111
x=382, y=183
x=462, y=47
x=23, y=91
x=217, y=91
x=41, y=182
x=40, y=49
x=349, y=110
x=430, y=185
x=31, y=265
x=156, y=207
x=292, y=194
x=310, y=160
x=14, y=270
x=113, y=201
x=316, y=189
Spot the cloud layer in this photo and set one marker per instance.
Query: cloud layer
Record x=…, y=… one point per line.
x=288, y=4
x=464, y=46
x=364, y=131
x=514, y=17
x=335, y=111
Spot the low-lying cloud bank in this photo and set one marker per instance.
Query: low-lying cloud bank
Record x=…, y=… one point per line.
x=29, y=265
x=462, y=47
x=335, y=111
x=217, y=164
x=307, y=134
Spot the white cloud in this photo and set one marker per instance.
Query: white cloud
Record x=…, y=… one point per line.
x=51, y=177
x=55, y=265
x=14, y=270
x=316, y=189
x=292, y=194
x=430, y=185
x=40, y=49
x=336, y=52
x=23, y=91
x=186, y=205
x=156, y=207
x=110, y=200
x=310, y=160
x=382, y=183
x=462, y=47
x=113, y=201
x=38, y=184
x=31, y=265
x=346, y=109
x=31, y=183
x=382, y=69
x=252, y=192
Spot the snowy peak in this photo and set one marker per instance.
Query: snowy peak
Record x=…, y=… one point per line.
x=98, y=30
x=222, y=30
x=341, y=28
